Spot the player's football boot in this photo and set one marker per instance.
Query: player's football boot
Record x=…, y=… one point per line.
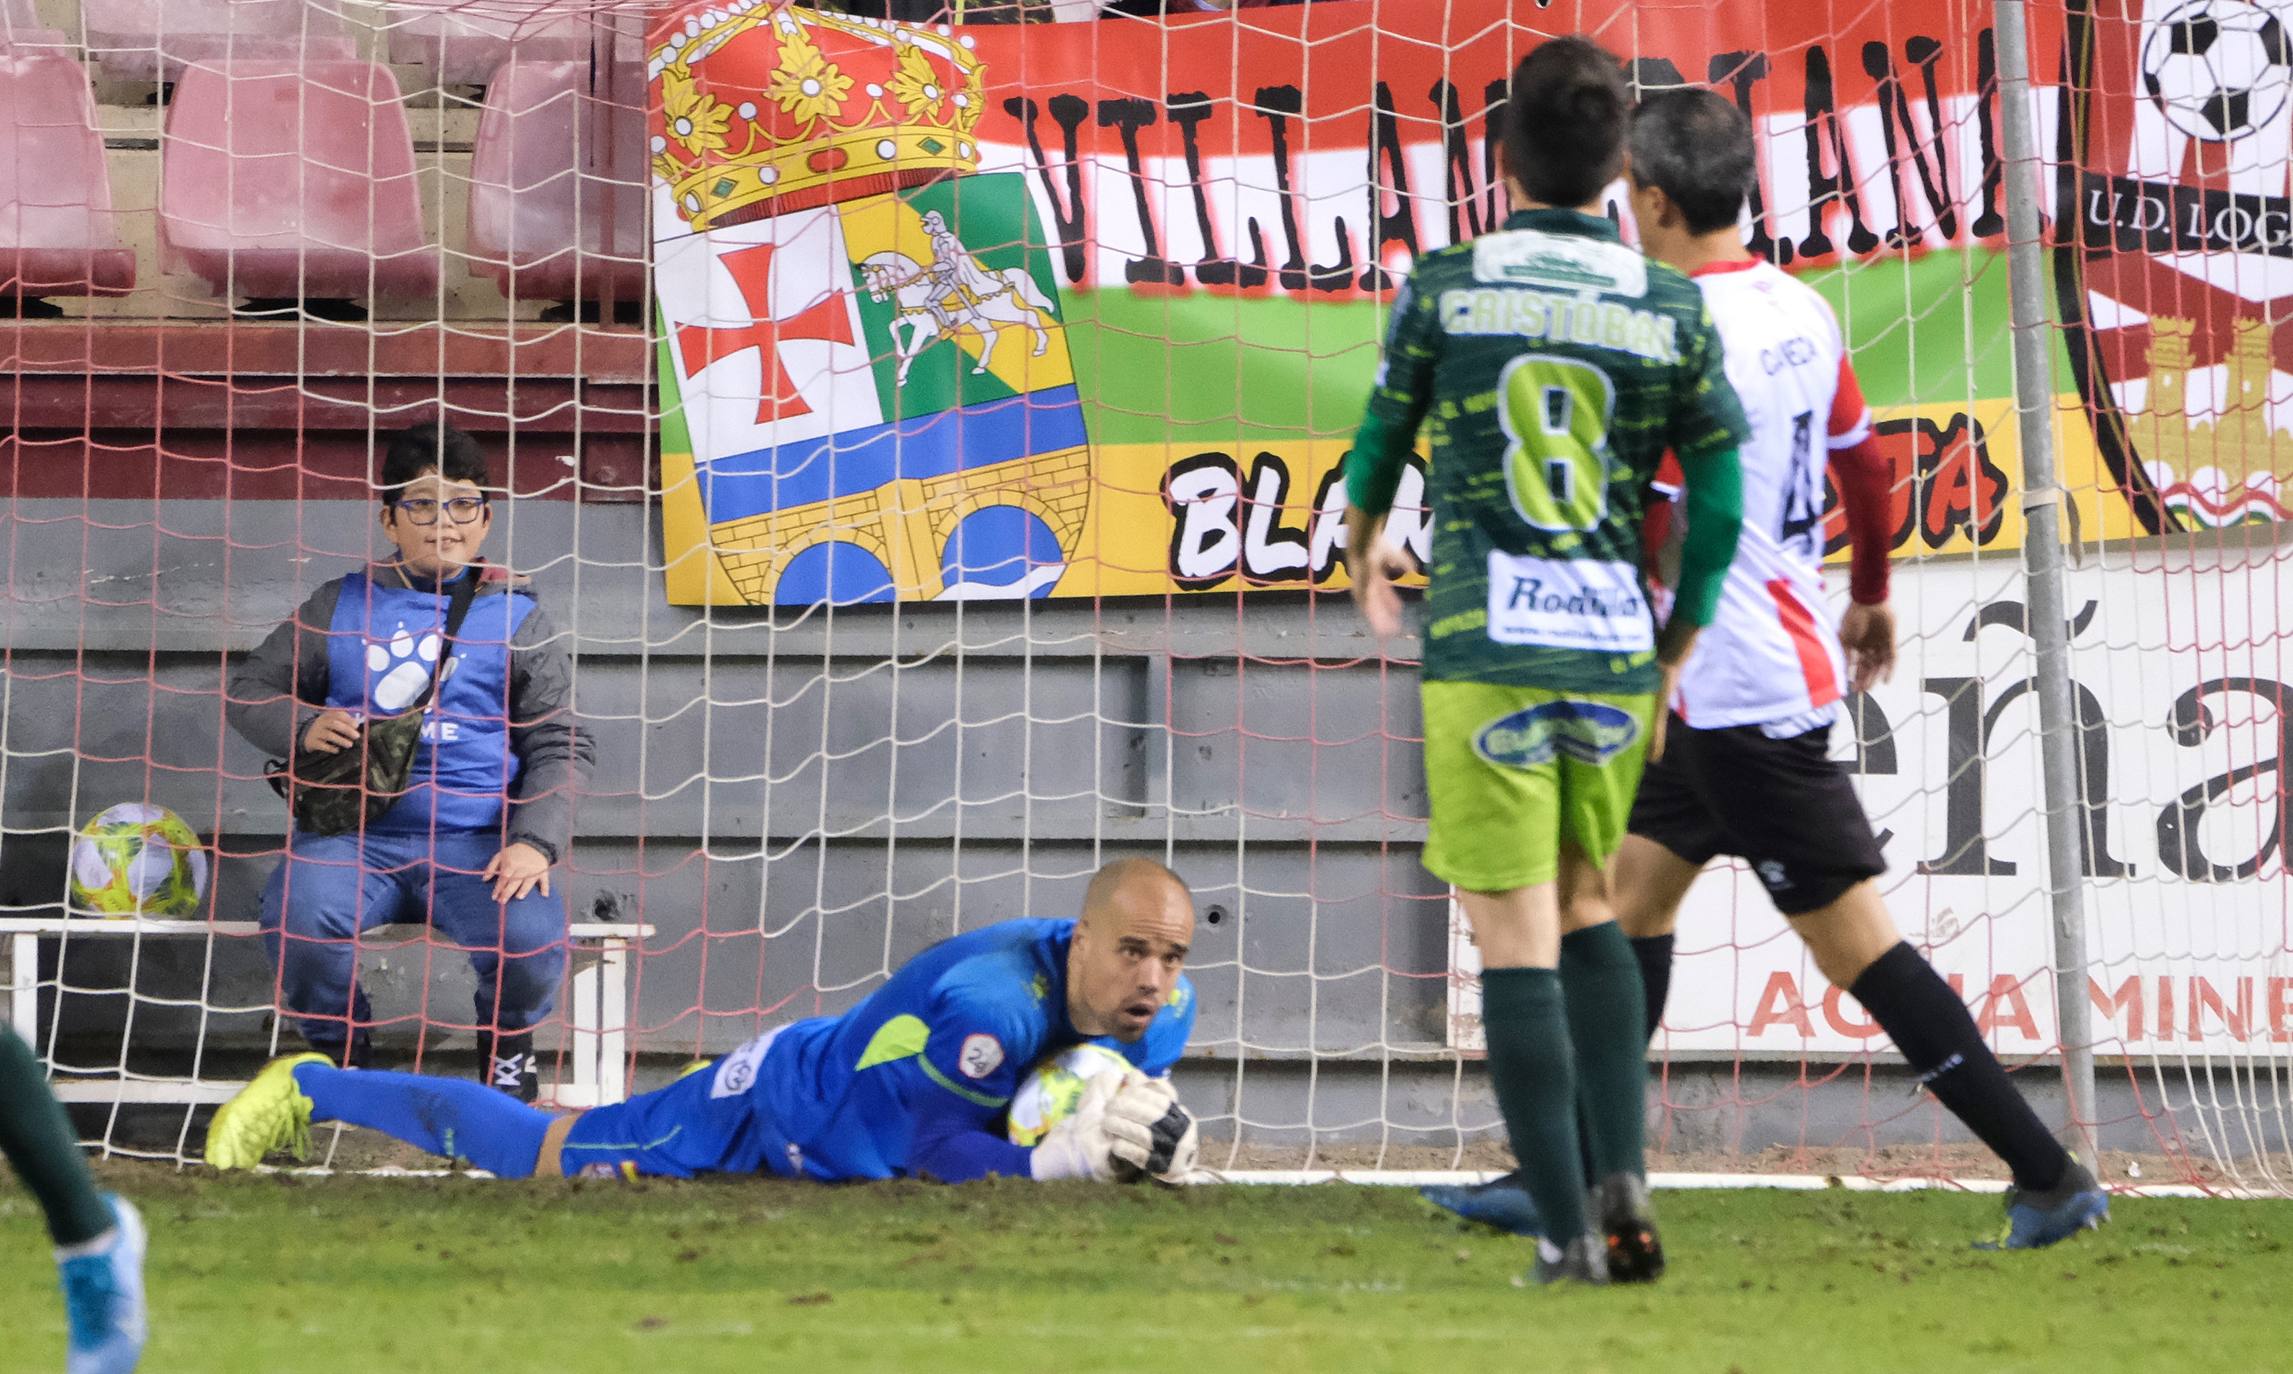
x=2035, y=1220
x=103, y=1299
x=1584, y=1260
x=269, y=1114
x=1621, y=1211
x=1501, y=1202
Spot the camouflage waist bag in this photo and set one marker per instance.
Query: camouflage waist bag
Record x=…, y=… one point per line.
x=333, y=794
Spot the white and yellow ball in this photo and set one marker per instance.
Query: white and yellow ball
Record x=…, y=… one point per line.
x=138, y=860
x=1051, y=1092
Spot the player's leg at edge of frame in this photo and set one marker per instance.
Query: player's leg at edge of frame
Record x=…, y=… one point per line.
x=99, y=1237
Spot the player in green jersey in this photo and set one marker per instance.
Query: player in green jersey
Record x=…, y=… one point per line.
x=99, y=1237
x=1551, y=367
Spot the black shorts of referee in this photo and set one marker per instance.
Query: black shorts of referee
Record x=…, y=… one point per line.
x=1784, y=806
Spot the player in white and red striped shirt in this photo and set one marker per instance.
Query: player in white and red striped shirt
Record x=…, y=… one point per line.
x=1772, y=660
x=1746, y=767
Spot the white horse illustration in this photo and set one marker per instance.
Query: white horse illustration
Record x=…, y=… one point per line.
x=930, y=309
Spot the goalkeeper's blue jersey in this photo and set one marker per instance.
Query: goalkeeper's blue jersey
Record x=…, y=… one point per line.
x=949, y=1035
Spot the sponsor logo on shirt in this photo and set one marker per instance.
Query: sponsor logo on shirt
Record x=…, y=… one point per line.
x=981, y=1055
x=1587, y=731
x=1568, y=603
x=736, y=1072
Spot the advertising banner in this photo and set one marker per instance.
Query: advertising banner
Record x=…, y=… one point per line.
x=1025, y=311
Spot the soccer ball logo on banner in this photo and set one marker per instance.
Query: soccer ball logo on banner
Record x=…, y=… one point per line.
x=864, y=354
x=2216, y=70
x=2175, y=264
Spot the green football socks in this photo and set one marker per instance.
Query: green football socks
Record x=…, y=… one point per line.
x=1534, y=1075
x=1600, y=984
x=37, y=1138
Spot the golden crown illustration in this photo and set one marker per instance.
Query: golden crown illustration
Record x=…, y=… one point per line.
x=760, y=109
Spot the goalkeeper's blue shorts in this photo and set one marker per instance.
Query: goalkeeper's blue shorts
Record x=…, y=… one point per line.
x=707, y=1122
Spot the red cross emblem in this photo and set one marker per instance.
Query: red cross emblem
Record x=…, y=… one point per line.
x=825, y=318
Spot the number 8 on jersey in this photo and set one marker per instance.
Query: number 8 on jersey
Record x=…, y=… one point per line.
x=1556, y=413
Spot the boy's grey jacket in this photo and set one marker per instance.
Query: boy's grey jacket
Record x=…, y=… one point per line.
x=274, y=693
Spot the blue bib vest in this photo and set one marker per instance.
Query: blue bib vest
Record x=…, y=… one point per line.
x=380, y=650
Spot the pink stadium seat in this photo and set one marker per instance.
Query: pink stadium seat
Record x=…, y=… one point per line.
x=57, y=236
x=294, y=180
x=558, y=184
x=153, y=40
x=459, y=48
x=20, y=28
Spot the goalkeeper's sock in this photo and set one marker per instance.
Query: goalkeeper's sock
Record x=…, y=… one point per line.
x=453, y=1117
x=1600, y=987
x=1534, y=1074
x=38, y=1139
x=1930, y=1025
x=1655, y=955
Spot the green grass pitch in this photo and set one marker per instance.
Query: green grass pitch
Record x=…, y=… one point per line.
x=467, y=1276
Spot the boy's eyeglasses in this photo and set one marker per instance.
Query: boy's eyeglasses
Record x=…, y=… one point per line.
x=421, y=510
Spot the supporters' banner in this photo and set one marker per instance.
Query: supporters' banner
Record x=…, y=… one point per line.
x=1091, y=309
x=2176, y=267
x=2188, y=813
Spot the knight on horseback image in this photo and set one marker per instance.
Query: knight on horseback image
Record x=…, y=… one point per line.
x=952, y=293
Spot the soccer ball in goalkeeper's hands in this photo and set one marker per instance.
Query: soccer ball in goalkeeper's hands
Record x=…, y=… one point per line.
x=138, y=860
x=1051, y=1092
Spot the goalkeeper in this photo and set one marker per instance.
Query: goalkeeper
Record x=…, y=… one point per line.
x=912, y=1082
x=1552, y=366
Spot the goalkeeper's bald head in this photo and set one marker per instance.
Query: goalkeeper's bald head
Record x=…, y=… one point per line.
x=1130, y=945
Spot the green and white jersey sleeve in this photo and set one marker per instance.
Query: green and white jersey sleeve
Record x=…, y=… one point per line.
x=1550, y=368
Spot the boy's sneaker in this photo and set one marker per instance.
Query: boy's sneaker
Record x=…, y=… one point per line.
x=1585, y=1260
x=2036, y=1220
x=1621, y=1210
x=506, y=1063
x=1501, y=1202
x=103, y=1298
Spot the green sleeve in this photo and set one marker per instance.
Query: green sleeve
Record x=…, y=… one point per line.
x=1715, y=483
x=1708, y=427
x=1397, y=404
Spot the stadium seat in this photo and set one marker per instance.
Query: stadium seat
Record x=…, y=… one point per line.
x=558, y=184
x=459, y=48
x=153, y=40
x=20, y=27
x=57, y=235
x=286, y=180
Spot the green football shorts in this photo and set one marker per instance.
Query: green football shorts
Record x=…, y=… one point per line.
x=1514, y=772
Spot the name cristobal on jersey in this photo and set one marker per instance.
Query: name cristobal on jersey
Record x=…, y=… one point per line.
x=1552, y=367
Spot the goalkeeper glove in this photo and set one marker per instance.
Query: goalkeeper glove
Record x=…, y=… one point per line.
x=1096, y=1142
x=1175, y=1142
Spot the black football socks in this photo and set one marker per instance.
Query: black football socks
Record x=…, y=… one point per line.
x=1931, y=1027
x=1655, y=955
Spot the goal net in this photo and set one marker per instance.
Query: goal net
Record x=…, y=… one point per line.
x=924, y=440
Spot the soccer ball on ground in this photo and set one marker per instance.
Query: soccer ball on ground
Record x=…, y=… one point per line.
x=138, y=860
x=2218, y=70
x=1050, y=1093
